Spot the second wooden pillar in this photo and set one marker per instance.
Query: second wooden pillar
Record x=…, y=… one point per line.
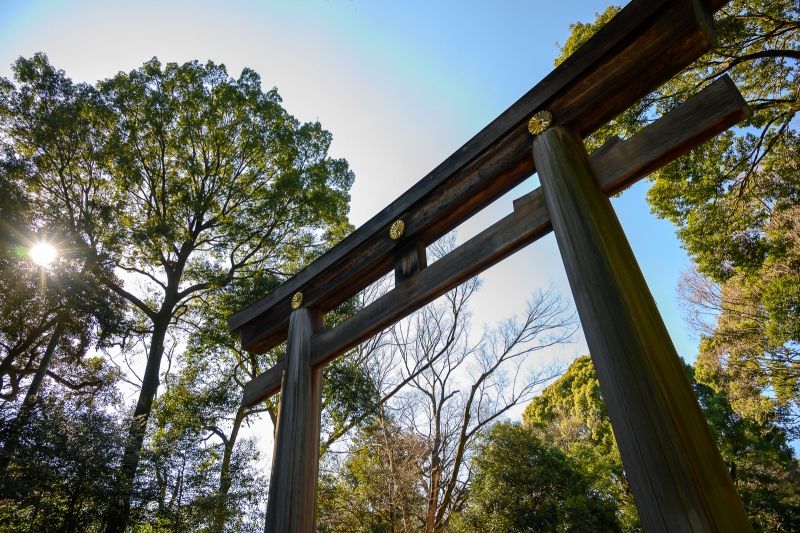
x=295, y=462
x=677, y=476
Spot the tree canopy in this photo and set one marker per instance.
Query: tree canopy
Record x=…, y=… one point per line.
x=523, y=484
x=570, y=415
x=734, y=201
x=172, y=182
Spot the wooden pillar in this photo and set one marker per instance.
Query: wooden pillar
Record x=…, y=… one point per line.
x=295, y=461
x=678, y=478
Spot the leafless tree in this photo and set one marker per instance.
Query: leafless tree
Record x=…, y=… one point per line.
x=442, y=385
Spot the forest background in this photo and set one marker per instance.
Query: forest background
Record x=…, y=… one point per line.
x=178, y=192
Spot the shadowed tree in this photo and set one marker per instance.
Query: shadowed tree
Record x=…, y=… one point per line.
x=522, y=484
x=60, y=477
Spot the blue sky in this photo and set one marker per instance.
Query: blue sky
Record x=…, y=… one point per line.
x=401, y=85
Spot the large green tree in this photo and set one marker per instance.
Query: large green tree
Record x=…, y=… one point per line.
x=736, y=204
x=570, y=415
x=187, y=180
x=523, y=484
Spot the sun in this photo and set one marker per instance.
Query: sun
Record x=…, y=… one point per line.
x=43, y=253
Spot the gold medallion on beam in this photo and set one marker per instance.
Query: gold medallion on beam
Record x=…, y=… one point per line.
x=397, y=228
x=540, y=122
x=297, y=300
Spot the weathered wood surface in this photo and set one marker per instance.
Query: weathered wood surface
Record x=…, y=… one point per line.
x=615, y=166
x=640, y=48
x=293, y=482
x=677, y=476
x=409, y=261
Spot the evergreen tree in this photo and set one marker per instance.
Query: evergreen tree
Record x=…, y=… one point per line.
x=570, y=415
x=522, y=484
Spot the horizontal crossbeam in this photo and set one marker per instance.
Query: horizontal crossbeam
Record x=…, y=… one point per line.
x=616, y=165
x=640, y=48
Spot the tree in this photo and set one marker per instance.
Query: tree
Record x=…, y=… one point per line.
x=438, y=384
x=749, y=333
x=761, y=462
x=201, y=403
x=60, y=477
x=735, y=202
x=187, y=481
x=570, y=415
x=522, y=484
x=379, y=487
x=467, y=387
x=203, y=180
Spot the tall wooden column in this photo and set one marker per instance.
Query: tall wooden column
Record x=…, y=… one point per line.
x=678, y=478
x=295, y=462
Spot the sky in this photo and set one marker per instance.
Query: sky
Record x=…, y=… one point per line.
x=400, y=85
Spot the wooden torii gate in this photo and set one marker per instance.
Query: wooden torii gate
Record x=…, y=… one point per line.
x=677, y=476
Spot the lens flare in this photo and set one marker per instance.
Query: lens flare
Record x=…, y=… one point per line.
x=43, y=254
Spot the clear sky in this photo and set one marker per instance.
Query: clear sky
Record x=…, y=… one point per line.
x=401, y=85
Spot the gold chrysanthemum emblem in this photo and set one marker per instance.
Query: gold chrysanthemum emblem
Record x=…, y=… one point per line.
x=297, y=300
x=540, y=122
x=397, y=228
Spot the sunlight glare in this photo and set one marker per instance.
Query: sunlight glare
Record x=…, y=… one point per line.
x=43, y=253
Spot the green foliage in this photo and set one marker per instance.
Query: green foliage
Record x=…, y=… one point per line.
x=349, y=394
x=62, y=472
x=753, y=346
x=245, y=180
x=522, y=484
x=580, y=32
x=760, y=460
x=570, y=415
x=735, y=202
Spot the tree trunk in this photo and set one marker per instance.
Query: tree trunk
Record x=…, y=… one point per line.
x=30, y=399
x=433, y=496
x=221, y=513
x=120, y=505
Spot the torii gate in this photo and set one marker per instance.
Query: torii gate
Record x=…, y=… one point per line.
x=677, y=476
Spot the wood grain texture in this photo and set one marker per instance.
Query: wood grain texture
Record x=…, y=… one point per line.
x=644, y=45
x=678, y=478
x=410, y=260
x=295, y=461
x=701, y=117
x=616, y=165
